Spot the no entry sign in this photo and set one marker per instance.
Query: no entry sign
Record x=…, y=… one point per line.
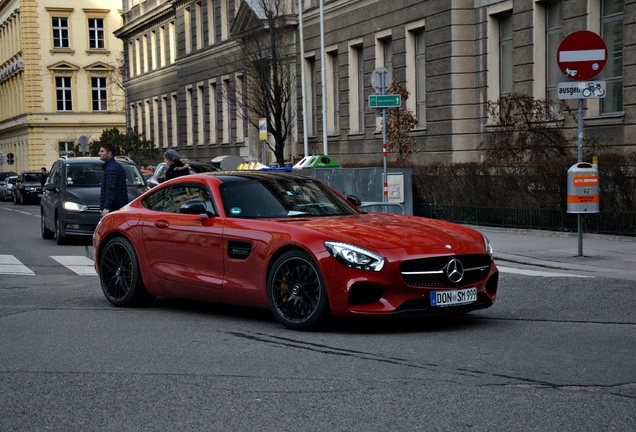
x=582, y=55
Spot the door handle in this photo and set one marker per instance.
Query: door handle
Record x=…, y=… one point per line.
x=162, y=224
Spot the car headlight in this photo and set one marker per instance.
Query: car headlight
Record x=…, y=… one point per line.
x=73, y=206
x=33, y=189
x=355, y=257
x=487, y=245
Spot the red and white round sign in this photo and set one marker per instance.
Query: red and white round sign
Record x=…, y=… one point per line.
x=582, y=55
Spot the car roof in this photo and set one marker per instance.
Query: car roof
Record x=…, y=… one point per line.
x=89, y=159
x=256, y=175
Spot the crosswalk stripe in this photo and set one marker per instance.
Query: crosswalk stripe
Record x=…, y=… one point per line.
x=79, y=264
x=541, y=273
x=10, y=265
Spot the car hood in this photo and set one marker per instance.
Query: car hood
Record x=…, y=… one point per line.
x=31, y=184
x=90, y=195
x=385, y=231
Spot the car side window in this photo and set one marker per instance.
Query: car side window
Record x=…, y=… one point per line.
x=171, y=199
x=54, y=174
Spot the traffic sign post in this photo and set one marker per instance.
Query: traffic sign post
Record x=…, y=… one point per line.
x=581, y=56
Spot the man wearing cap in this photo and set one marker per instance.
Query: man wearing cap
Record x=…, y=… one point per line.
x=176, y=167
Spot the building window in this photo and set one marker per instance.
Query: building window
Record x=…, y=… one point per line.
x=172, y=42
x=200, y=117
x=241, y=104
x=99, y=94
x=505, y=55
x=187, y=28
x=64, y=93
x=211, y=23
x=96, y=33
x=174, y=120
x=144, y=47
x=312, y=108
x=164, y=121
x=162, y=46
x=212, y=120
x=155, y=121
x=198, y=24
x=333, y=108
x=153, y=50
x=612, y=34
x=420, y=78
x=60, y=33
x=189, y=116
x=356, y=89
x=131, y=60
x=225, y=19
x=226, y=110
x=553, y=37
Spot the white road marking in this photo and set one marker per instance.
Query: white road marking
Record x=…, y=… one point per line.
x=540, y=273
x=11, y=265
x=78, y=264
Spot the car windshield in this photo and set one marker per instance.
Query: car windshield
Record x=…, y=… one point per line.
x=32, y=177
x=280, y=197
x=92, y=175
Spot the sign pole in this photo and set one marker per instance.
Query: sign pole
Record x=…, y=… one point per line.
x=579, y=217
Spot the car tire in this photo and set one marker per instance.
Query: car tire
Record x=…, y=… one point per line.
x=60, y=238
x=120, y=275
x=296, y=292
x=46, y=233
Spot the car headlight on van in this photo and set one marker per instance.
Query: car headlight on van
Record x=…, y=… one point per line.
x=75, y=207
x=354, y=256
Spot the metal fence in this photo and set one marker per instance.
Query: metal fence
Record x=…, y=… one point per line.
x=615, y=223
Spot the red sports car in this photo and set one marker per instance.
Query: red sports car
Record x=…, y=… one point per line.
x=291, y=244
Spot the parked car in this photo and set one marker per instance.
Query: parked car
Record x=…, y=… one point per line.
x=70, y=202
x=4, y=175
x=6, y=188
x=159, y=176
x=28, y=187
x=291, y=244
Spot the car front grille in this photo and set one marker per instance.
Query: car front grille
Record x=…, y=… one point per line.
x=438, y=272
x=93, y=209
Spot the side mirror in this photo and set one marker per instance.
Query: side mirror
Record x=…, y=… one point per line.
x=50, y=187
x=354, y=200
x=194, y=207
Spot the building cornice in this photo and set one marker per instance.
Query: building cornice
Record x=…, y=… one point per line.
x=144, y=20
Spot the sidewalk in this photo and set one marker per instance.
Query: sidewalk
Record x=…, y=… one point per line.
x=603, y=255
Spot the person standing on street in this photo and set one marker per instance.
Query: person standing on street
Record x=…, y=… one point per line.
x=176, y=167
x=114, y=193
x=44, y=176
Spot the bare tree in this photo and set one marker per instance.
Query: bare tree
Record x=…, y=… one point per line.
x=399, y=124
x=265, y=30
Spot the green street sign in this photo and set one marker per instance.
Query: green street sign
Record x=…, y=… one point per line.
x=385, y=101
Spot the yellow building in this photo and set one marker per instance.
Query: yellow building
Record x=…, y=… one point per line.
x=60, y=82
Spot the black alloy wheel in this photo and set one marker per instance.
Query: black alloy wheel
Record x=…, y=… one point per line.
x=296, y=291
x=120, y=275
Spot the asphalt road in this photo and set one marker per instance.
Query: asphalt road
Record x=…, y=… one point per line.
x=554, y=354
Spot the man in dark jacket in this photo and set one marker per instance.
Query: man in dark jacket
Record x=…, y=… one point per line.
x=176, y=167
x=114, y=193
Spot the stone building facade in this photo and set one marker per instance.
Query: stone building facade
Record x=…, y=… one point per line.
x=60, y=83
x=452, y=56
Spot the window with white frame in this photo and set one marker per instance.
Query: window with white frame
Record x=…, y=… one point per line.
x=212, y=112
x=416, y=71
x=61, y=39
x=240, y=108
x=200, y=116
x=553, y=38
x=226, y=110
x=96, y=40
x=131, y=59
x=225, y=19
x=505, y=55
x=211, y=23
x=198, y=25
x=164, y=121
x=333, y=92
x=189, y=116
x=172, y=41
x=612, y=14
x=356, y=88
x=153, y=50
x=99, y=93
x=187, y=28
x=144, y=44
x=147, y=121
x=310, y=76
x=64, y=93
x=155, y=121
x=174, y=120
x=133, y=118
x=162, y=46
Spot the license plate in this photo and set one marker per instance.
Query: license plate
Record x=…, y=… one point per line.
x=453, y=297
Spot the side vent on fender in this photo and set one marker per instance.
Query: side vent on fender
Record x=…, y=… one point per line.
x=238, y=250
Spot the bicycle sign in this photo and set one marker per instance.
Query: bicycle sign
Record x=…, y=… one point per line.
x=582, y=90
